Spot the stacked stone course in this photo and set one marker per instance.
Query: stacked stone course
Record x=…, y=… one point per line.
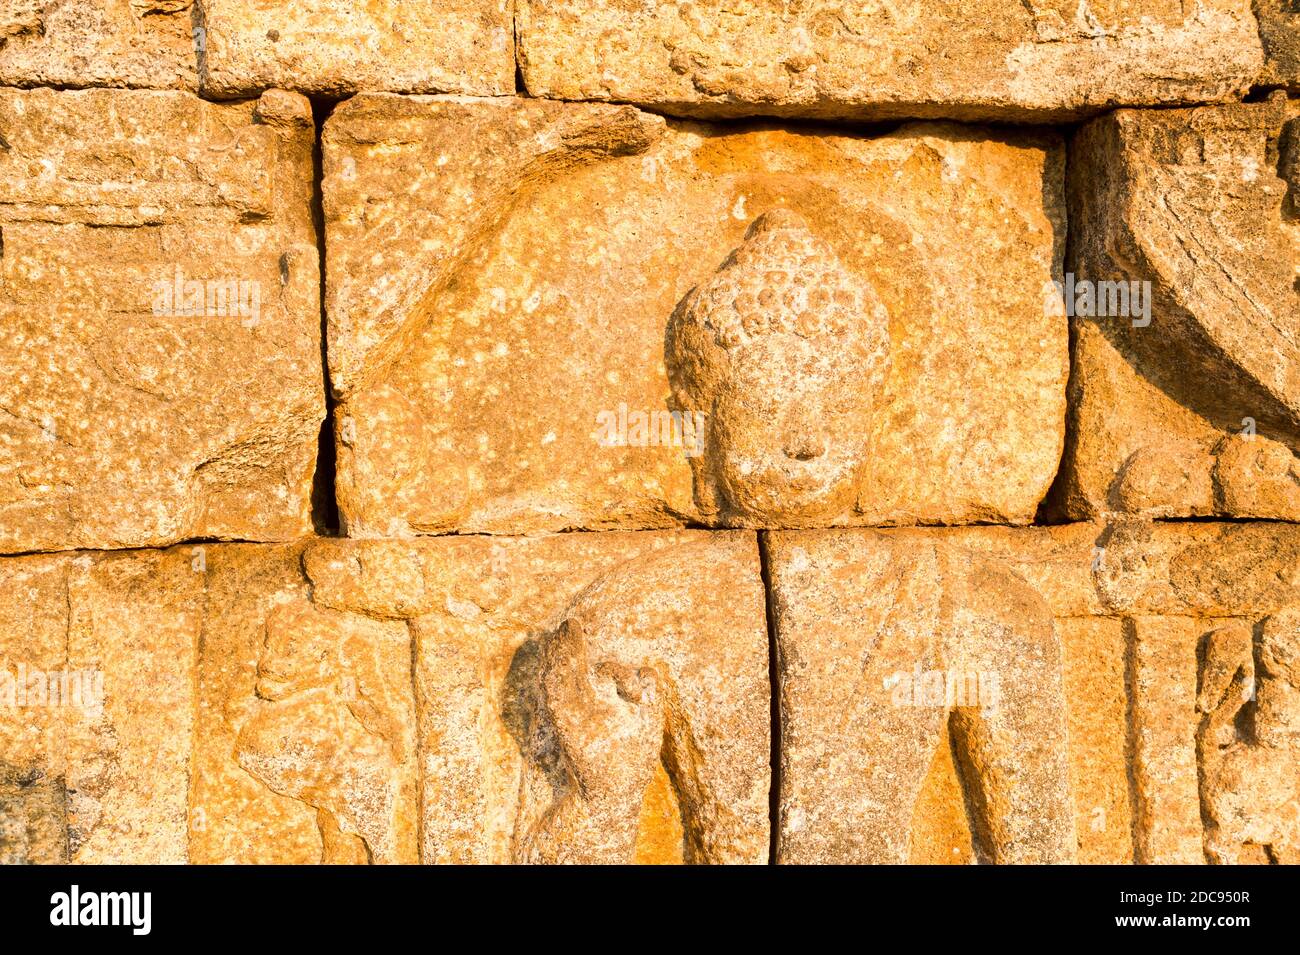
x=780, y=431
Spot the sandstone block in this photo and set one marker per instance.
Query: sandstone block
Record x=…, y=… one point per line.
x=580, y=697
x=1190, y=405
x=305, y=744
x=1042, y=59
x=146, y=44
x=546, y=316
x=159, y=319
x=1095, y=655
x=604, y=697
x=341, y=46
x=1279, y=28
x=882, y=642
x=97, y=706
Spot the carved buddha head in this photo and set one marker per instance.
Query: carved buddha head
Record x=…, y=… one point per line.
x=786, y=352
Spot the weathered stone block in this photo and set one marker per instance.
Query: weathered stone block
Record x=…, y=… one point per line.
x=547, y=316
x=1046, y=59
x=1189, y=405
x=1279, y=28
x=885, y=644
x=341, y=46
x=579, y=697
x=147, y=44
x=159, y=319
x=97, y=703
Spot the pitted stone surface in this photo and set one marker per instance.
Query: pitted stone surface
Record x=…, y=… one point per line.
x=159, y=317
x=1279, y=28
x=341, y=46
x=502, y=331
x=996, y=59
x=788, y=351
x=145, y=44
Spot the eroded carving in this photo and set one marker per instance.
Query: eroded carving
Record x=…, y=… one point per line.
x=144, y=357
x=1200, y=206
x=786, y=352
x=331, y=729
x=445, y=299
x=632, y=682
x=1249, y=740
x=884, y=644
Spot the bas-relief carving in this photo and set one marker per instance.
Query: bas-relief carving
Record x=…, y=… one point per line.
x=785, y=352
x=650, y=669
x=874, y=398
x=860, y=616
x=649, y=697
x=1248, y=740
x=1197, y=208
x=332, y=727
x=616, y=697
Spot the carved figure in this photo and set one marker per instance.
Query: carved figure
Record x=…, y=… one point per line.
x=328, y=732
x=1249, y=740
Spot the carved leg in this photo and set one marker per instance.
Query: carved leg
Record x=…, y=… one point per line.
x=1012, y=747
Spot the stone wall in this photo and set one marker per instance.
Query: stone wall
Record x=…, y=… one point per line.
x=497, y=431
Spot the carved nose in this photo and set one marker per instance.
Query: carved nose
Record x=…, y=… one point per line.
x=805, y=447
